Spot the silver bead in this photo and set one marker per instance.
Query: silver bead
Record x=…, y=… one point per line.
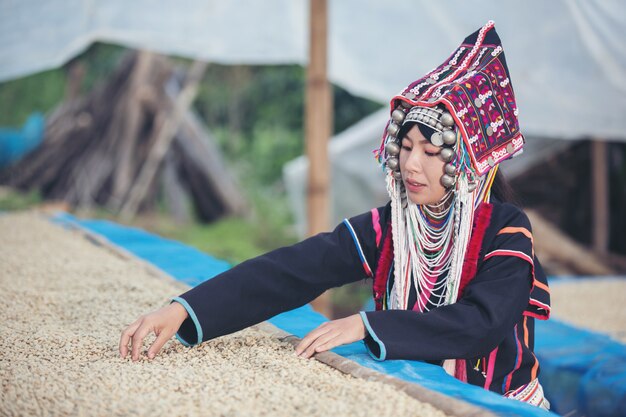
x=447, y=181
x=406, y=105
x=450, y=169
x=432, y=122
x=398, y=116
x=436, y=139
x=491, y=161
x=393, y=163
x=478, y=102
x=397, y=175
x=489, y=130
x=447, y=120
x=392, y=148
x=447, y=154
x=449, y=137
x=410, y=96
x=393, y=129
x=471, y=186
x=420, y=116
x=439, y=126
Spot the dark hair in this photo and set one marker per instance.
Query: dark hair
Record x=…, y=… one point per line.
x=502, y=190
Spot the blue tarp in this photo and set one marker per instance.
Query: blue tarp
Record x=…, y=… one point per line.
x=192, y=267
x=582, y=372
x=14, y=143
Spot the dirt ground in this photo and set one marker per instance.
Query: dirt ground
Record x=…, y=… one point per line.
x=63, y=304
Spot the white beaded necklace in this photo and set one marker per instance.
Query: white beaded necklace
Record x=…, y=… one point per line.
x=424, y=253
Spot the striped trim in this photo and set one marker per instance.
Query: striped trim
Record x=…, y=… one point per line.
x=376, y=226
x=539, y=304
x=381, y=345
x=541, y=285
x=506, y=384
x=512, y=229
x=522, y=230
x=509, y=252
x=490, y=367
x=366, y=266
x=193, y=317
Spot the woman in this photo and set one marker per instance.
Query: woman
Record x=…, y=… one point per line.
x=455, y=279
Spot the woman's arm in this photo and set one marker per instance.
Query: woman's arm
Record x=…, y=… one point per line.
x=258, y=289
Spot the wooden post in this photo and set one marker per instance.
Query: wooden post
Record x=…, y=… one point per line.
x=600, y=197
x=165, y=135
x=318, y=128
x=134, y=117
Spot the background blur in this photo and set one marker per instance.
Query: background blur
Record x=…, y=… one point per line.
x=187, y=118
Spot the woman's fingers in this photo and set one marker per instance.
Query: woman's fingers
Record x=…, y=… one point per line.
x=332, y=334
x=127, y=334
x=156, y=346
x=310, y=338
x=320, y=341
x=137, y=340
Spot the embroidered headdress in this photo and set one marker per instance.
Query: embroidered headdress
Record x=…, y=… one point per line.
x=466, y=106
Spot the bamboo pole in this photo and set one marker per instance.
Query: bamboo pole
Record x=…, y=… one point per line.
x=600, y=196
x=318, y=127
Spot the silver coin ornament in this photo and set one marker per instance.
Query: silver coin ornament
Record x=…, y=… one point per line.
x=447, y=181
x=449, y=137
x=447, y=154
x=393, y=129
x=397, y=116
x=392, y=148
x=436, y=139
x=450, y=169
x=397, y=175
x=447, y=120
x=393, y=163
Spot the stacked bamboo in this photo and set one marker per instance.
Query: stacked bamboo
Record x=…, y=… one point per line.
x=129, y=143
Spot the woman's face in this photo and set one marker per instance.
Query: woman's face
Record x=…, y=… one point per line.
x=421, y=168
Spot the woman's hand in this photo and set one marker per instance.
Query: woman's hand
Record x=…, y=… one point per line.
x=164, y=323
x=332, y=334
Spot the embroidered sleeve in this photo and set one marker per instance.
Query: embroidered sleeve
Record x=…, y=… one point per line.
x=515, y=239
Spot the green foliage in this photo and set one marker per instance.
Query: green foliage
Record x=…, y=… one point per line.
x=12, y=200
x=40, y=92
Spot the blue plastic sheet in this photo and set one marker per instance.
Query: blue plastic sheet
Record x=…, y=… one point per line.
x=14, y=143
x=192, y=267
x=582, y=372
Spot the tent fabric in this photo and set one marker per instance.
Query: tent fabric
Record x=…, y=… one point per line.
x=567, y=57
x=193, y=267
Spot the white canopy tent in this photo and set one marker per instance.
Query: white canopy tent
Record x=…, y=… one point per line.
x=567, y=57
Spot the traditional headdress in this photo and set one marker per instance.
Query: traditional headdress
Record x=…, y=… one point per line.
x=468, y=108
